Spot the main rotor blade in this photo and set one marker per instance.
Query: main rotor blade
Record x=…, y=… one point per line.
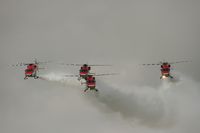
x=71, y=64
x=19, y=64
x=100, y=65
x=179, y=62
x=43, y=62
x=86, y=64
x=71, y=75
x=106, y=74
x=150, y=64
x=25, y=64
x=165, y=62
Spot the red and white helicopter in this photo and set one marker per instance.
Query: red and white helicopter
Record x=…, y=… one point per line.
x=84, y=70
x=84, y=73
x=165, y=68
x=31, y=69
x=91, y=81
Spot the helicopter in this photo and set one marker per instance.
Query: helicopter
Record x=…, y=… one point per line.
x=87, y=76
x=91, y=81
x=165, y=68
x=84, y=70
x=31, y=69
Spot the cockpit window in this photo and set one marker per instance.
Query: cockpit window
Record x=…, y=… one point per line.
x=83, y=70
x=91, y=81
x=165, y=69
x=29, y=70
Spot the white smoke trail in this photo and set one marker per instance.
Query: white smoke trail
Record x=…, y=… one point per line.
x=166, y=106
x=160, y=107
x=147, y=105
x=59, y=77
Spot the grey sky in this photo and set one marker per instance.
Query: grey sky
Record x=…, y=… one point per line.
x=118, y=31
x=125, y=33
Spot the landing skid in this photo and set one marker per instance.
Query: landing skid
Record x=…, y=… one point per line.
x=79, y=78
x=36, y=77
x=166, y=77
x=91, y=90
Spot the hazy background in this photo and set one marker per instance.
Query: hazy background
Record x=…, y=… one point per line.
x=124, y=33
